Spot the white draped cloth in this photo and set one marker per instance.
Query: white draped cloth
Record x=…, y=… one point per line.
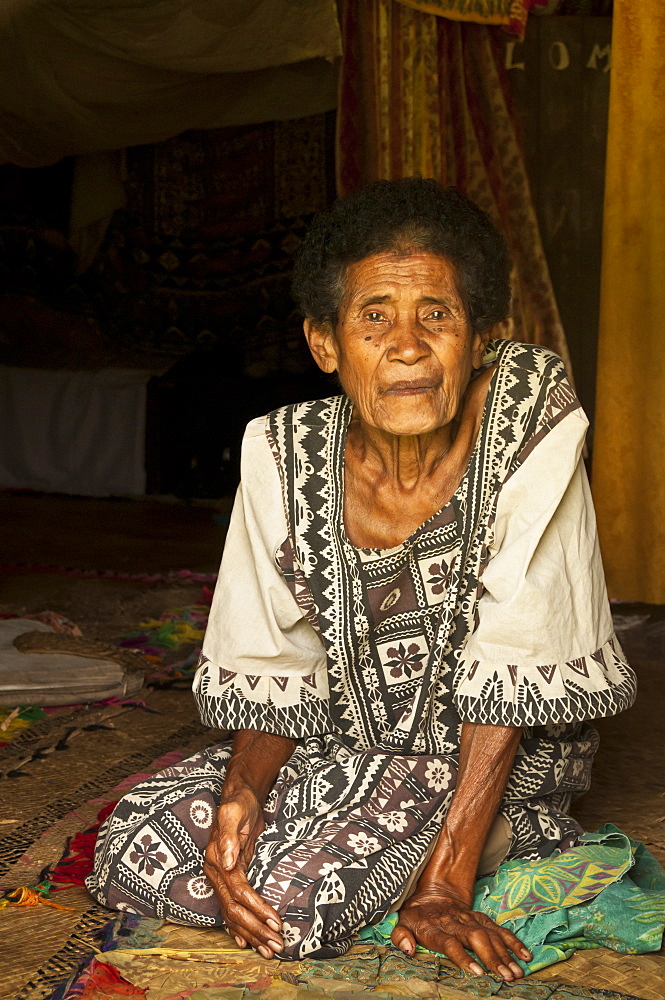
x=73, y=432
x=79, y=76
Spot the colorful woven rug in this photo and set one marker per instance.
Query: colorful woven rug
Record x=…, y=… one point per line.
x=174, y=576
x=608, y=891
x=135, y=956
x=63, y=769
x=89, y=952
x=145, y=958
x=182, y=627
x=59, y=774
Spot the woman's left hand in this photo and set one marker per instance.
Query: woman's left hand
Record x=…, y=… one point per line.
x=441, y=920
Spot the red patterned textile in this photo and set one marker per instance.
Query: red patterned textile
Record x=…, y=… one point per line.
x=510, y=14
x=423, y=94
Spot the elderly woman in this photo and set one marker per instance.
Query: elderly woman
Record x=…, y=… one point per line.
x=410, y=630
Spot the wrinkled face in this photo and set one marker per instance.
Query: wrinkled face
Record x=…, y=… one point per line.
x=403, y=347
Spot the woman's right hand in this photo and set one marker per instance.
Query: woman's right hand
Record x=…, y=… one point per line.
x=249, y=919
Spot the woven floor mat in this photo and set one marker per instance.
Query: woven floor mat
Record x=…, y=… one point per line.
x=49, y=762
x=643, y=975
x=170, y=962
x=64, y=768
x=55, y=732
x=59, y=785
x=80, y=645
x=41, y=947
x=628, y=776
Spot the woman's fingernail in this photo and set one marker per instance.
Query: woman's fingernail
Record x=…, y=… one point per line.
x=475, y=968
x=228, y=860
x=525, y=954
x=264, y=951
x=505, y=972
x=241, y=942
x=276, y=945
x=515, y=969
x=272, y=924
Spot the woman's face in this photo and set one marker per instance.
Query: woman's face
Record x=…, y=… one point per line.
x=403, y=348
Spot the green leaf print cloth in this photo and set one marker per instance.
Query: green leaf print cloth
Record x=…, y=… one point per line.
x=608, y=891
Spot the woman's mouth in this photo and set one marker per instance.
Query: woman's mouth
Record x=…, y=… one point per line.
x=413, y=387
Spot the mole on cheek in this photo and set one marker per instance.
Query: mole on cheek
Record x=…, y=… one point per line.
x=368, y=338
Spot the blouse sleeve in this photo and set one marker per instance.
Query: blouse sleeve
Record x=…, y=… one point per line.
x=262, y=664
x=544, y=649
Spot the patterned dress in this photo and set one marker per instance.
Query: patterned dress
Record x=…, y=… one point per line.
x=494, y=611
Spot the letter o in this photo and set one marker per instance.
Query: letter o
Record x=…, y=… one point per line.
x=559, y=56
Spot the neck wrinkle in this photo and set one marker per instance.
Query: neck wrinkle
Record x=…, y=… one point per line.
x=405, y=461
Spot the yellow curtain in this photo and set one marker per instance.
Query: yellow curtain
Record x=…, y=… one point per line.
x=629, y=450
x=422, y=94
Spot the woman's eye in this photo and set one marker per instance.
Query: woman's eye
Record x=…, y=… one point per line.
x=437, y=315
x=374, y=317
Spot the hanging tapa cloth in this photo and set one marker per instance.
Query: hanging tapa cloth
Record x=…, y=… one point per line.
x=422, y=94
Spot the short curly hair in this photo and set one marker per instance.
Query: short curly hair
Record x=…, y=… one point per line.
x=414, y=214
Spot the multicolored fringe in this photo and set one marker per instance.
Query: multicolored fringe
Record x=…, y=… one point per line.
x=14, y=720
x=173, y=576
x=97, y=979
x=173, y=629
x=31, y=895
x=76, y=862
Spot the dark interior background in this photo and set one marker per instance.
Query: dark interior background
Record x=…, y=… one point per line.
x=192, y=280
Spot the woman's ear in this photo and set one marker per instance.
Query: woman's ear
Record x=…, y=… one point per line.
x=321, y=341
x=479, y=345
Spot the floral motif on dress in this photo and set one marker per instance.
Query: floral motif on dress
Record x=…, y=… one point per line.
x=405, y=661
x=147, y=856
x=438, y=577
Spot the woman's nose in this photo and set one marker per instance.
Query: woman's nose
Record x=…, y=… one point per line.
x=407, y=344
